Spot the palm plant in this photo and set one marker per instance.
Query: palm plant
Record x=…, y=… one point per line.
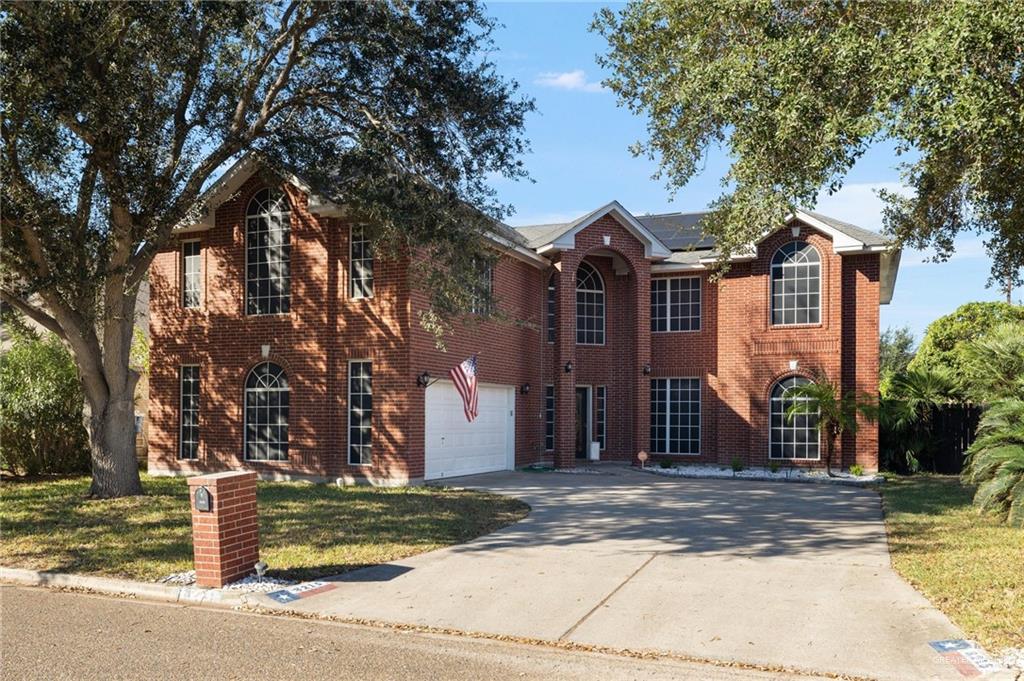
x=995, y=461
x=836, y=411
x=907, y=415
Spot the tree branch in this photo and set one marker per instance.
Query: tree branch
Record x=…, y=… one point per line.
x=34, y=313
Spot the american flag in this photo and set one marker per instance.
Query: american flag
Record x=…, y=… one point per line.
x=464, y=377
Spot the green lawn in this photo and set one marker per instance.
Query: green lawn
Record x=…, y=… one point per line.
x=306, y=530
x=970, y=566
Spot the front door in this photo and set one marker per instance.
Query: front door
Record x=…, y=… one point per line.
x=582, y=422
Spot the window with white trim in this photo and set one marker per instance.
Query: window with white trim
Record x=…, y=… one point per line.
x=796, y=438
x=675, y=416
x=188, y=444
x=268, y=253
x=267, y=401
x=675, y=304
x=191, y=273
x=796, y=284
x=360, y=264
x=589, y=306
x=599, y=417
x=550, y=311
x=360, y=412
x=549, y=418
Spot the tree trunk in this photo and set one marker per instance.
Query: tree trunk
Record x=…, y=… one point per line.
x=115, y=469
x=829, y=445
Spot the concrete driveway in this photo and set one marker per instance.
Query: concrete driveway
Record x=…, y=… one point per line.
x=795, y=575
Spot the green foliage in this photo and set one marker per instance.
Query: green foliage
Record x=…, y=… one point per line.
x=906, y=438
x=995, y=461
x=41, y=429
x=946, y=339
x=737, y=464
x=774, y=466
x=796, y=92
x=665, y=463
x=857, y=469
x=994, y=364
x=837, y=412
x=896, y=349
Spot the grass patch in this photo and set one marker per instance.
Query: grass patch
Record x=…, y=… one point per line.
x=970, y=566
x=306, y=531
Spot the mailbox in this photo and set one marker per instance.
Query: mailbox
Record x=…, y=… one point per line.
x=203, y=500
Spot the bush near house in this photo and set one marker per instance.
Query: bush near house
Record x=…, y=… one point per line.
x=41, y=429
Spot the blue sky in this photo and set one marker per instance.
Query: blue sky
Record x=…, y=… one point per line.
x=581, y=159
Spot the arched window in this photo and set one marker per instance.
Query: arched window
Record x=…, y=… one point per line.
x=266, y=413
x=796, y=284
x=551, y=309
x=268, y=253
x=796, y=439
x=589, y=306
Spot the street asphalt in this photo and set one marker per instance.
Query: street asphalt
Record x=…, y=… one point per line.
x=55, y=635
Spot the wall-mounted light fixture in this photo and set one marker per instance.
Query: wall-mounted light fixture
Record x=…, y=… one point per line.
x=795, y=230
x=265, y=351
x=524, y=389
x=794, y=364
x=423, y=380
x=568, y=367
x=647, y=370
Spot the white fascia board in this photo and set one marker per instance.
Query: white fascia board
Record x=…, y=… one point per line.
x=841, y=241
x=666, y=267
x=653, y=247
x=889, y=268
x=519, y=252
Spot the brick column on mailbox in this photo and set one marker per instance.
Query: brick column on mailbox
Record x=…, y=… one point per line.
x=225, y=538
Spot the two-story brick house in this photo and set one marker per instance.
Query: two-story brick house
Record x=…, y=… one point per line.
x=280, y=343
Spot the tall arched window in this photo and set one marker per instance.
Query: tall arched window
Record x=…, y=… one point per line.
x=796, y=284
x=550, y=310
x=268, y=253
x=796, y=439
x=589, y=306
x=266, y=413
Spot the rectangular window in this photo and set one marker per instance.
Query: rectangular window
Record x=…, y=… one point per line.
x=360, y=412
x=188, y=447
x=191, y=273
x=550, y=311
x=599, y=393
x=675, y=416
x=360, y=264
x=481, y=303
x=549, y=418
x=675, y=304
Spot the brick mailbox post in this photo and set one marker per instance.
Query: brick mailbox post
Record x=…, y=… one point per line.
x=225, y=527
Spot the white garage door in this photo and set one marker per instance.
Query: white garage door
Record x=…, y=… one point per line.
x=456, y=447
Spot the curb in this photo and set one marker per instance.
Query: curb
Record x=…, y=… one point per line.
x=162, y=593
x=806, y=481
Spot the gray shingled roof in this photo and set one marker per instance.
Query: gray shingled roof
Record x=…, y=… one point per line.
x=682, y=231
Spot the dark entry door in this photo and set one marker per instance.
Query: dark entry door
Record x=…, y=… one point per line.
x=582, y=422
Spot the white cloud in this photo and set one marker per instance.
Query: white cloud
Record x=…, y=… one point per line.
x=568, y=80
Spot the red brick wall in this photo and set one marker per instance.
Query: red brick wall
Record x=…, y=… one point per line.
x=737, y=354
x=225, y=539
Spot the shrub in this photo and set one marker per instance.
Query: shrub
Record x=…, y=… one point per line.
x=906, y=438
x=737, y=464
x=995, y=462
x=665, y=463
x=41, y=429
x=774, y=466
x=857, y=469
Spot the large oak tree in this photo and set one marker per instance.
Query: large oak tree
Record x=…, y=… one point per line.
x=116, y=115
x=797, y=90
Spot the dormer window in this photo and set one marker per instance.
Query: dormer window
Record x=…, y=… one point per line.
x=796, y=285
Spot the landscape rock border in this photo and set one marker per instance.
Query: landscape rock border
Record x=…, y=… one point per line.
x=719, y=472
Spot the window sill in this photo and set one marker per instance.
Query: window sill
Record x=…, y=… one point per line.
x=680, y=331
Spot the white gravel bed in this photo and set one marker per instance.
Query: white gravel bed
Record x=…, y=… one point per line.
x=758, y=473
x=249, y=584
x=1012, y=658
